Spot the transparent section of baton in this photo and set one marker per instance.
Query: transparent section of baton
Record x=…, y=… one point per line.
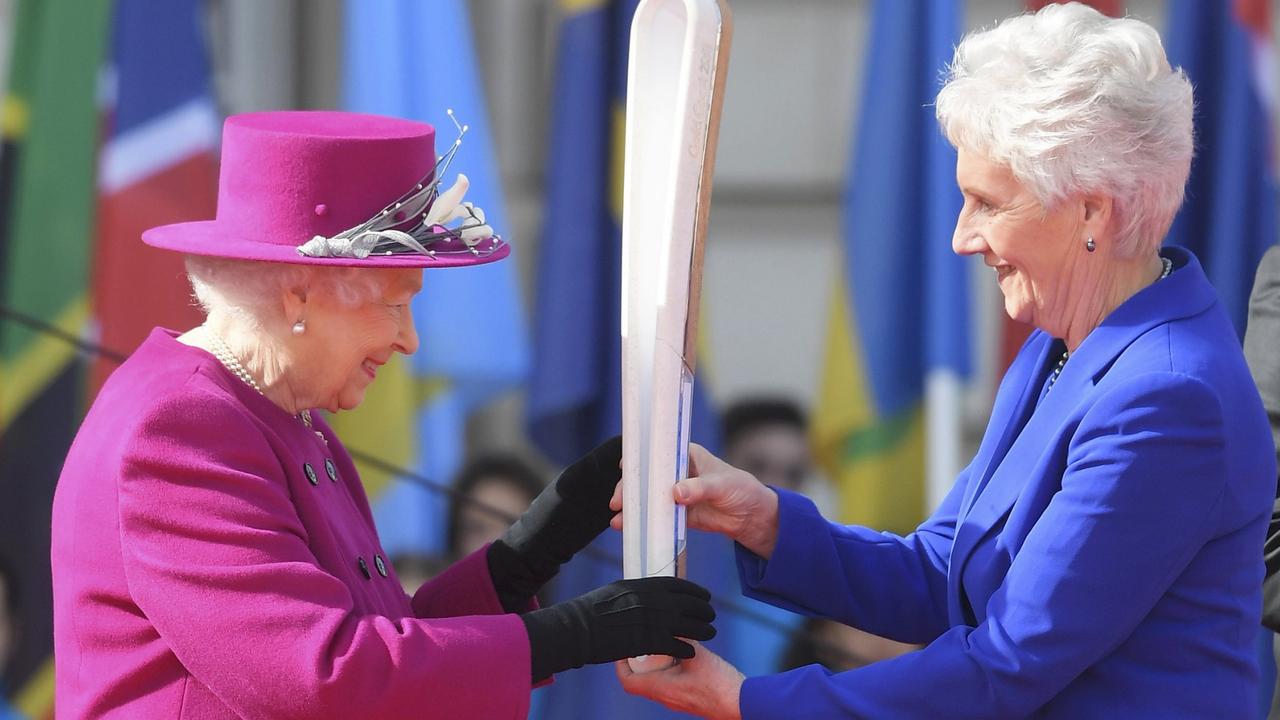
x=650, y=663
x=680, y=528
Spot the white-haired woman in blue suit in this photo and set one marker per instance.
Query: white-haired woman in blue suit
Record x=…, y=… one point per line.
x=1099, y=557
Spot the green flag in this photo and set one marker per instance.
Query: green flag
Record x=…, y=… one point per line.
x=50, y=127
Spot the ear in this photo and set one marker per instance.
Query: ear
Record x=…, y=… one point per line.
x=293, y=300
x=1096, y=214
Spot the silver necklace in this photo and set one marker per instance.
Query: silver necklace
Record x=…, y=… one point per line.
x=229, y=360
x=1166, y=267
x=1057, y=369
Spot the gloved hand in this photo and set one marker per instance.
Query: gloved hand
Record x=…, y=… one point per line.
x=563, y=519
x=620, y=620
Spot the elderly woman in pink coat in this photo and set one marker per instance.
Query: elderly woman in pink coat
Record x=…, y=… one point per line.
x=213, y=550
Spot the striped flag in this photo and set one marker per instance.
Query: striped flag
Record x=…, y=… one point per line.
x=1229, y=217
x=47, y=193
x=157, y=166
x=417, y=60
x=891, y=343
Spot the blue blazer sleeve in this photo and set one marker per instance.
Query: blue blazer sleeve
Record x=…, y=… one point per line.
x=1143, y=486
x=892, y=586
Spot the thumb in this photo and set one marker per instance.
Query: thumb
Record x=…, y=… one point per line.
x=695, y=490
x=701, y=461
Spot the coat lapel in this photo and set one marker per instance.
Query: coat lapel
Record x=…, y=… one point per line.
x=1013, y=459
x=1015, y=400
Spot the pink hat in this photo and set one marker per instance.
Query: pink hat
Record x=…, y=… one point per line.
x=336, y=188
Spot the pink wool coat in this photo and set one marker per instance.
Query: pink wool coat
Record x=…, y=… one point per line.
x=214, y=558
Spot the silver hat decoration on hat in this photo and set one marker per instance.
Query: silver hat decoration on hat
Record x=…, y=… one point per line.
x=422, y=221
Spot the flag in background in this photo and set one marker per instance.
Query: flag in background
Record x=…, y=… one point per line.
x=1229, y=217
x=50, y=126
x=158, y=165
x=8, y=18
x=417, y=60
x=575, y=396
x=890, y=339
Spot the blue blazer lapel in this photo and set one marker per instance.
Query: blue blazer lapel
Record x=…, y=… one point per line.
x=1021, y=465
x=1015, y=400
x=1017, y=460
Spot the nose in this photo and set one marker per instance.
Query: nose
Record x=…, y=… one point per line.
x=407, y=338
x=965, y=241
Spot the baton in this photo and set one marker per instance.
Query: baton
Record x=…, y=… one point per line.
x=675, y=90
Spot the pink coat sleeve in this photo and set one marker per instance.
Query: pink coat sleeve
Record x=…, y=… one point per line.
x=464, y=588
x=216, y=558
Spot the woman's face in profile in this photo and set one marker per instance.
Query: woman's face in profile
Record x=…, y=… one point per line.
x=343, y=347
x=1027, y=246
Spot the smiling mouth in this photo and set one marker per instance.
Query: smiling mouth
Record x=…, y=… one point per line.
x=370, y=368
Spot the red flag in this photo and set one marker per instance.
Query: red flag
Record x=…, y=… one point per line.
x=1256, y=15
x=157, y=166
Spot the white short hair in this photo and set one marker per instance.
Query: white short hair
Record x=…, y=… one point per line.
x=1075, y=102
x=250, y=290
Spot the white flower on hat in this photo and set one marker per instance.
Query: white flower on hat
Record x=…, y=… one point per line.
x=393, y=230
x=449, y=207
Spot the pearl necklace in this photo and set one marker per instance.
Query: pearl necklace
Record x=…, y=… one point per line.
x=1166, y=267
x=229, y=360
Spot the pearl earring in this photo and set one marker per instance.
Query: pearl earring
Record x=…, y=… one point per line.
x=299, y=327
x=1090, y=245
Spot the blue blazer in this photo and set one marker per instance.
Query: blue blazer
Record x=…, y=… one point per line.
x=1100, y=557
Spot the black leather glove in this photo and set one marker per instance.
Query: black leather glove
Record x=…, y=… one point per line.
x=563, y=519
x=620, y=620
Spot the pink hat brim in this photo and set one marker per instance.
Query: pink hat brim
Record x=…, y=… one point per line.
x=208, y=239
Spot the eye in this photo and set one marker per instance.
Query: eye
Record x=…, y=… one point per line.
x=979, y=205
